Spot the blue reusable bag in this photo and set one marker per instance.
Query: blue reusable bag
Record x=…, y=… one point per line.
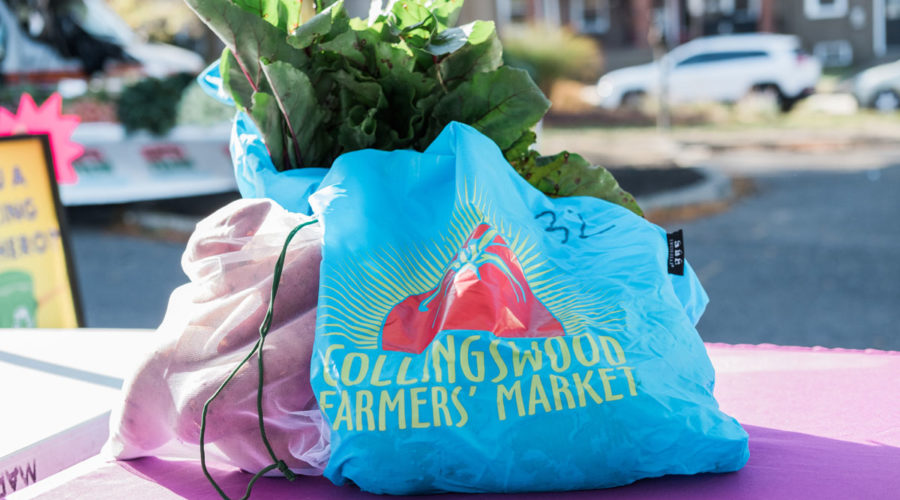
x=474, y=335
x=257, y=177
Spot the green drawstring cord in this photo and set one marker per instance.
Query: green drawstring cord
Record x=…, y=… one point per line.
x=263, y=331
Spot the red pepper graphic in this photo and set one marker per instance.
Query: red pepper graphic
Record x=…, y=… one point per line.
x=483, y=289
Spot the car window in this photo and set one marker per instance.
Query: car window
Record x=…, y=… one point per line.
x=709, y=57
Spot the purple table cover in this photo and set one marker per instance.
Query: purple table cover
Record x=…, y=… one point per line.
x=823, y=424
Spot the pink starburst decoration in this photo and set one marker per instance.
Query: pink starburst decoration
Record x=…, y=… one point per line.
x=47, y=119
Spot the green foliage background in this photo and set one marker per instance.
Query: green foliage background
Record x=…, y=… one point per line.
x=550, y=53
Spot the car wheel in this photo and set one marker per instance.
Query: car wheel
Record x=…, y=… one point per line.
x=633, y=100
x=785, y=103
x=886, y=101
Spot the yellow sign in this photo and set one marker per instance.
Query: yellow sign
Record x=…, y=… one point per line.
x=36, y=277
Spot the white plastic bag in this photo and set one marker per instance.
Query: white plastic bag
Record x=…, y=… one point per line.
x=210, y=325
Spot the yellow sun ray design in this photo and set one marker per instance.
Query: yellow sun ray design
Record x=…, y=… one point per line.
x=408, y=270
x=366, y=293
x=376, y=295
x=356, y=331
x=392, y=294
x=360, y=344
x=539, y=270
x=351, y=304
x=438, y=262
x=444, y=250
x=364, y=315
x=383, y=285
x=456, y=230
x=516, y=242
x=531, y=255
x=372, y=323
x=407, y=287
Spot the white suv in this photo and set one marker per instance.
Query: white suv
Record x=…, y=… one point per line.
x=719, y=68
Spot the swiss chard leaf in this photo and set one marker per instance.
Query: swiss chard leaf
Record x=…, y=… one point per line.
x=520, y=151
x=251, y=39
x=567, y=174
x=501, y=104
x=357, y=47
x=450, y=40
x=234, y=79
x=444, y=12
x=304, y=118
x=267, y=116
x=285, y=15
x=324, y=4
x=394, y=81
x=481, y=53
x=326, y=24
x=357, y=131
x=412, y=19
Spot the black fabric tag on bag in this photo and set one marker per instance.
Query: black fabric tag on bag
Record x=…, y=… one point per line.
x=676, y=253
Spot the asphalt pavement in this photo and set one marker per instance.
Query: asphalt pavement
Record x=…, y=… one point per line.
x=812, y=257
x=125, y=281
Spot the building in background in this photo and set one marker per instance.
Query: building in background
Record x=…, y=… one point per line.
x=839, y=32
x=845, y=32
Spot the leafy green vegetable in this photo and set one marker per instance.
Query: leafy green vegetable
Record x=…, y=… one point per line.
x=501, y=104
x=567, y=174
x=152, y=104
x=320, y=84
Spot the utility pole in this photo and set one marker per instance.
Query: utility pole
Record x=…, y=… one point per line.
x=664, y=35
x=656, y=39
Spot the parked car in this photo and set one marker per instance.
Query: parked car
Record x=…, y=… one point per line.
x=721, y=68
x=45, y=41
x=879, y=87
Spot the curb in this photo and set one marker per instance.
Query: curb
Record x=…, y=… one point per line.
x=714, y=187
x=156, y=221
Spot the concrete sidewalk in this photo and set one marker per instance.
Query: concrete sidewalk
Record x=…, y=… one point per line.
x=718, y=156
x=648, y=147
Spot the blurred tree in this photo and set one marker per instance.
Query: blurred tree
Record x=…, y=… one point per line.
x=169, y=21
x=550, y=53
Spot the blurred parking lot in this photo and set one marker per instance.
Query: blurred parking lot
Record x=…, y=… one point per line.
x=805, y=256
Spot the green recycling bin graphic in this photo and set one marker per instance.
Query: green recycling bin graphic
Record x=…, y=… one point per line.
x=18, y=306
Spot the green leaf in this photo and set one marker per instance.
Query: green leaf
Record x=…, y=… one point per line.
x=267, y=116
x=520, y=150
x=395, y=81
x=357, y=47
x=328, y=23
x=248, y=37
x=286, y=15
x=389, y=56
x=304, y=117
x=449, y=40
x=324, y=4
x=445, y=11
x=354, y=90
x=357, y=131
x=481, y=53
x=567, y=174
x=235, y=80
x=501, y=104
x=412, y=17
